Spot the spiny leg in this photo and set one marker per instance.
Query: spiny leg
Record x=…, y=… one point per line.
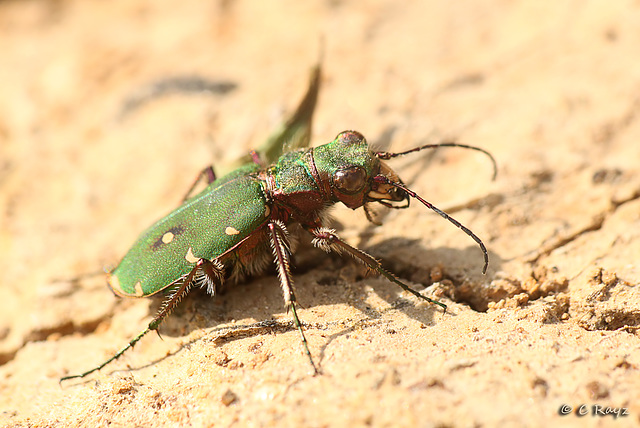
x=208, y=269
x=210, y=276
x=327, y=240
x=281, y=253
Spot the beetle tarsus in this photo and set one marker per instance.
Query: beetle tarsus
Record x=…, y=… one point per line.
x=281, y=253
x=113, y=358
x=167, y=307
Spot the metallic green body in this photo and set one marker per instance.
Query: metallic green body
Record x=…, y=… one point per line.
x=226, y=221
x=205, y=226
x=240, y=221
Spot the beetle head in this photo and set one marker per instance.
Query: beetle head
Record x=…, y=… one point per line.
x=357, y=176
x=349, y=167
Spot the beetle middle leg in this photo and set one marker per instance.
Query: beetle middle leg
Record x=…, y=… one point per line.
x=208, y=174
x=281, y=252
x=327, y=240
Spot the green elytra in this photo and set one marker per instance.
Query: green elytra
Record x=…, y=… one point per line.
x=239, y=221
x=213, y=224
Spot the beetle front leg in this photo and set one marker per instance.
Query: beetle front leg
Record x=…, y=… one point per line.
x=281, y=252
x=327, y=240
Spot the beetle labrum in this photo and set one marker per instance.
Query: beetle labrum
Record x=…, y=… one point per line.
x=240, y=221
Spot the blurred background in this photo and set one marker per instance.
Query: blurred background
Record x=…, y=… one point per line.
x=87, y=161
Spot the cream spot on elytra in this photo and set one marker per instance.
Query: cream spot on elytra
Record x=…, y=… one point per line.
x=167, y=237
x=190, y=257
x=231, y=231
x=114, y=283
x=138, y=288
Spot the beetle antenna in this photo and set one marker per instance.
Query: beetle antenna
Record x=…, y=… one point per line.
x=389, y=155
x=386, y=180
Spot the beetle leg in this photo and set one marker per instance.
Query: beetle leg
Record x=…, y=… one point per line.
x=169, y=305
x=255, y=158
x=210, y=275
x=207, y=174
x=327, y=240
x=281, y=252
x=370, y=214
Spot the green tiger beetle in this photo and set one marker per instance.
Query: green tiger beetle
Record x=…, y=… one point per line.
x=240, y=221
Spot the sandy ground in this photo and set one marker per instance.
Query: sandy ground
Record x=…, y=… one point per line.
x=550, y=88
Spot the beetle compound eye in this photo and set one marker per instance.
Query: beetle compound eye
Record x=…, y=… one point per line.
x=350, y=137
x=350, y=180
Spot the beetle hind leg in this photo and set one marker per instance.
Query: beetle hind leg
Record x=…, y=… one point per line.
x=209, y=272
x=210, y=275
